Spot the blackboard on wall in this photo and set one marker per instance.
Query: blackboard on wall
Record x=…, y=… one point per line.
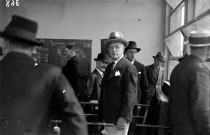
x=52, y=52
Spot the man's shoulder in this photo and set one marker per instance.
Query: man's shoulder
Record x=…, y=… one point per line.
x=138, y=64
x=45, y=68
x=149, y=66
x=94, y=73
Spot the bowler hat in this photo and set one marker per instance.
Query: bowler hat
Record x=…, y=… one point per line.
x=132, y=45
x=199, y=38
x=103, y=57
x=159, y=56
x=116, y=37
x=21, y=29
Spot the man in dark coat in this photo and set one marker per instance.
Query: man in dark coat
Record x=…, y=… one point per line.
x=130, y=52
x=190, y=85
x=93, y=88
x=119, y=88
x=30, y=96
x=71, y=69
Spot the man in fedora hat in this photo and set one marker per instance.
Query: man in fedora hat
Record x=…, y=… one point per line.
x=130, y=53
x=93, y=88
x=155, y=74
x=31, y=95
x=190, y=85
x=119, y=88
x=153, y=94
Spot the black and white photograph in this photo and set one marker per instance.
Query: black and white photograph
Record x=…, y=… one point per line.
x=104, y=67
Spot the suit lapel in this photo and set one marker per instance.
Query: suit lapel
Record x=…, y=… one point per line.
x=153, y=73
x=116, y=68
x=99, y=77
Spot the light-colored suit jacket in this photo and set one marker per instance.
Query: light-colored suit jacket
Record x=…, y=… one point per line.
x=190, y=105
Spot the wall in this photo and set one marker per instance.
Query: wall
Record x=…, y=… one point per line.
x=95, y=19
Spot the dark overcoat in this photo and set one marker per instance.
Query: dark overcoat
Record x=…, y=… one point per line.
x=142, y=79
x=71, y=71
x=190, y=104
x=31, y=96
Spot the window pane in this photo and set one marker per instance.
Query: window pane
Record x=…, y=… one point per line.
x=171, y=65
x=202, y=24
x=173, y=3
x=175, y=44
x=201, y=6
x=177, y=19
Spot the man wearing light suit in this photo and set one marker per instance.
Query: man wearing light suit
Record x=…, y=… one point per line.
x=119, y=88
x=152, y=95
x=190, y=85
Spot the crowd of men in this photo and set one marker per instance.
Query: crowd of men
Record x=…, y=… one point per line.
x=32, y=95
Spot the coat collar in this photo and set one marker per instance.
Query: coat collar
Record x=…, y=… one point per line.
x=199, y=60
x=17, y=55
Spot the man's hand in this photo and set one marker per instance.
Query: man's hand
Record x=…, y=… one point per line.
x=121, y=122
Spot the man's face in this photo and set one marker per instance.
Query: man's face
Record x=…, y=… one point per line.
x=101, y=65
x=116, y=50
x=158, y=62
x=131, y=54
x=68, y=53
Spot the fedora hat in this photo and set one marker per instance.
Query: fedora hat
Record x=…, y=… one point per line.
x=116, y=37
x=21, y=29
x=103, y=57
x=199, y=38
x=159, y=56
x=132, y=45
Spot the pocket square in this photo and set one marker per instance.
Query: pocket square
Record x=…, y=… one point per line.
x=117, y=73
x=139, y=72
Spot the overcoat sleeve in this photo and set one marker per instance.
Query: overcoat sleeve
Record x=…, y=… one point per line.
x=66, y=106
x=199, y=100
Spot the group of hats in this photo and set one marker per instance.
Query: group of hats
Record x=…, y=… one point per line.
x=117, y=37
x=25, y=30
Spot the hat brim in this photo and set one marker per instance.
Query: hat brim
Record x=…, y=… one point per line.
x=110, y=41
x=159, y=58
x=107, y=61
x=137, y=49
x=30, y=42
x=196, y=45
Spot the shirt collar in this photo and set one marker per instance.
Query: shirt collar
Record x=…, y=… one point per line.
x=101, y=73
x=115, y=62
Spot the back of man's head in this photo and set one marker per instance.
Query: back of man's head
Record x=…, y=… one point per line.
x=71, y=47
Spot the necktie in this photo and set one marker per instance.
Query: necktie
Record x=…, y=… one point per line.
x=112, y=65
